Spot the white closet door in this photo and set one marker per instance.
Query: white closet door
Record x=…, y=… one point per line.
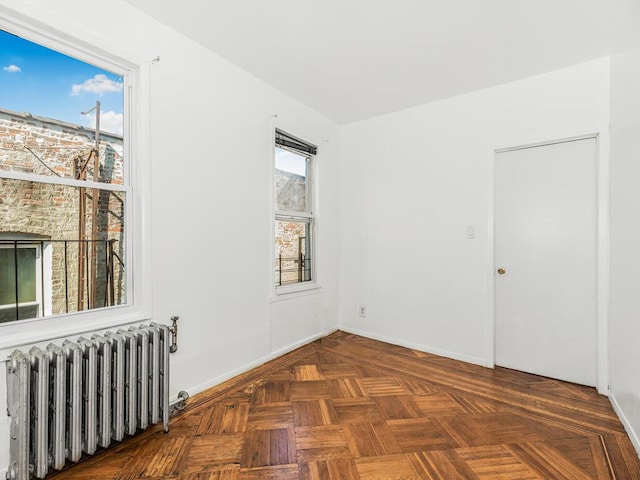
x=546, y=245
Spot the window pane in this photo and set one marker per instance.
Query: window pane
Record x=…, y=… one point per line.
x=26, y=275
x=83, y=256
x=293, y=252
x=24, y=313
x=50, y=104
x=291, y=181
x=26, y=284
x=7, y=277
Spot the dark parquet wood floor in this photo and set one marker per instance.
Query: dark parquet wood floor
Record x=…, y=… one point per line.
x=349, y=408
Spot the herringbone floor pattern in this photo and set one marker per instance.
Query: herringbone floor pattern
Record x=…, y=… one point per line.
x=350, y=408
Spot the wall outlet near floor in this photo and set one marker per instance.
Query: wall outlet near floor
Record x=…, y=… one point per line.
x=362, y=311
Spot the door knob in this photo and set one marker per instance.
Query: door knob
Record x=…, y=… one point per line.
x=502, y=271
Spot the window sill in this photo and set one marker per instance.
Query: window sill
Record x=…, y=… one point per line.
x=295, y=291
x=44, y=329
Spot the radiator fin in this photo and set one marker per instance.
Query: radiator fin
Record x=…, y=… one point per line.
x=39, y=397
x=89, y=396
x=57, y=405
x=18, y=378
x=74, y=400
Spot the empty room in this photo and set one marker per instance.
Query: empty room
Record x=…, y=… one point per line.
x=336, y=240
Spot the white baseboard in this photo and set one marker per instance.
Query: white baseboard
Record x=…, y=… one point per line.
x=256, y=363
x=633, y=435
x=423, y=348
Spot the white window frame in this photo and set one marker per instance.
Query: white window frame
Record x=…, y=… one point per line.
x=309, y=216
x=136, y=185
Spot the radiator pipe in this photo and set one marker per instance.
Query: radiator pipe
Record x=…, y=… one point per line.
x=179, y=404
x=174, y=334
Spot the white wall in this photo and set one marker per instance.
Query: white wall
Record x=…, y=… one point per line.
x=624, y=323
x=211, y=226
x=413, y=181
x=212, y=247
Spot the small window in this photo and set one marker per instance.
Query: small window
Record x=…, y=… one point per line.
x=294, y=213
x=63, y=177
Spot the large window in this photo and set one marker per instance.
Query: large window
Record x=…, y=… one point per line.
x=294, y=212
x=63, y=177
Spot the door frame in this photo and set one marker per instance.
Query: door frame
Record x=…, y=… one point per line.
x=602, y=252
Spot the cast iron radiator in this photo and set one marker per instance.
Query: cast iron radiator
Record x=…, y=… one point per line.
x=76, y=398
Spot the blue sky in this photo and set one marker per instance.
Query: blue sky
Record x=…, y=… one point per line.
x=46, y=83
x=290, y=162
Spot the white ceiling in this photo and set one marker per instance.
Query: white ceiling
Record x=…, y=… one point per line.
x=355, y=59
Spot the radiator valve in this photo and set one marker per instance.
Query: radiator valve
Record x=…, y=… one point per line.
x=174, y=334
x=180, y=404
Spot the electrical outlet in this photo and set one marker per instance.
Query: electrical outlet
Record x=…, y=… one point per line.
x=362, y=311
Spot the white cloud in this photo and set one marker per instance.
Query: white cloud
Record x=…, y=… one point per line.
x=100, y=84
x=12, y=69
x=110, y=121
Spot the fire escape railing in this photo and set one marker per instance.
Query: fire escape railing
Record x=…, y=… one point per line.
x=105, y=274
